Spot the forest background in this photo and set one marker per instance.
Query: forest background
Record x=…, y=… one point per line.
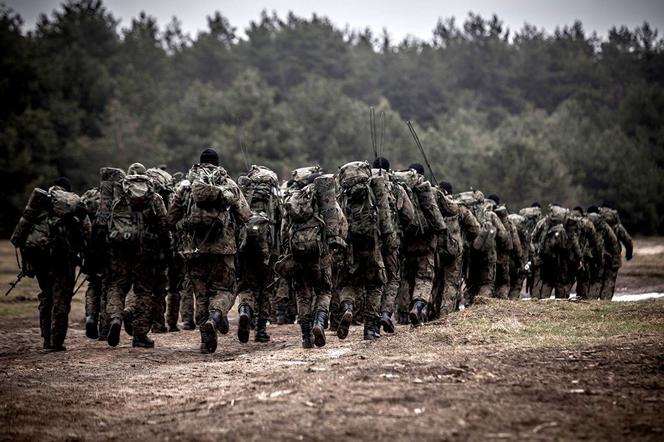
x=530, y=114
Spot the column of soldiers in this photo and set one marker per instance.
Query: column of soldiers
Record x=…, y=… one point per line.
x=369, y=246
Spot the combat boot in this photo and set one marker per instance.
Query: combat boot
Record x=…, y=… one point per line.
x=244, y=323
x=56, y=347
x=320, y=317
x=281, y=314
x=91, y=326
x=307, y=338
x=403, y=318
x=114, y=332
x=417, y=313
x=127, y=320
x=158, y=328
x=208, y=338
x=173, y=327
x=371, y=329
x=346, y=320
x=386, y=322
x=220, y=321
x=189, y=325
x=103, y=332
x=261, y=331
x=142, y=342
x=47, y=343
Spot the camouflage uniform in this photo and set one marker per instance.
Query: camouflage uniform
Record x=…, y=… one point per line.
x=403, y=218
x=460, y=223
x=517, y=270
x=138, y=240
x=96, y=322
x=51, y=241
x=611, y=272
x=480, y=260
x=532, y=216
x=591, y=253
x=312, y=226
x=259, y=251
x=210, y=244
x=609, y=262
x=365, y=202
x=557, y=252
x=420, y=242
x=508, y=260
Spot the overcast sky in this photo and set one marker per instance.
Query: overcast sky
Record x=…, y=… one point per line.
x=400, y=17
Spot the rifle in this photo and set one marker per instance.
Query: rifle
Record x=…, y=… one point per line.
x=12, y=285
x=244, y=151
x=424, y=155
x=381, y=146
x=372, y=128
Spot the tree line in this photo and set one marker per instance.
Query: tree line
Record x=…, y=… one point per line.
x=531, y=115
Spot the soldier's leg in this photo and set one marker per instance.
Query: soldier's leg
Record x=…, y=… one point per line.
x=582, y=283
x=281, y=299
x=390, y=290
x=373, y=293
x=175, y=285
x=159, y=293
x=222, y=290
x=263, y=312
x=451, y=285
x=187, y=305
x=197, y=275
x=516, y=280
x=246, y=309
x=609, y=283
x=321, y=292
x=502, y=280
x=92, y=306
x=422, y=288
x=347, y=298
x=304, y=293
x=45, y=281
x=438, y=287
x=103, y=314
x=487, y=276
x=117, y=282
x=63, y=291
x=403, y=293
x=144, y=277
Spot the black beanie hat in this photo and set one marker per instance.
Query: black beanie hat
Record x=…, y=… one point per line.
x=381, y=163
x=493, y=197
x=593, y=209
x=209, y=156
x=447, y=187
x=578, y=209
x=63, y=182
x=536, y=204
x=417, y=167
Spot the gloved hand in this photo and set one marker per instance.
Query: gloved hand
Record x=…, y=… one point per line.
x=629, y=254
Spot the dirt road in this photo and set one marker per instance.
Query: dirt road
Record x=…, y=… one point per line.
x=548, y=370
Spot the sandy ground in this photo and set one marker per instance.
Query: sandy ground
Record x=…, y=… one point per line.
x=547, y=370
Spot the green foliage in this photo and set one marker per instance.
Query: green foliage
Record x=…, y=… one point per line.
x=553, y=117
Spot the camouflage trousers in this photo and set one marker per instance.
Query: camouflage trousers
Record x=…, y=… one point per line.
x=417, y=278
x=55, y=277
x=187, y=310
x=312, y=284
x=502, y=282
x=212, y=278
x=128, y=270
x=446, y=285
x=284, y=298
x=255, y=289
x=364, y=284
x=556, y=277
x=159, y=293
x=175, y=297
x=516, y=279
x=481, y=275
x=95, y=300
x=582, y=278
x=603, y=283
x=393, y=275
